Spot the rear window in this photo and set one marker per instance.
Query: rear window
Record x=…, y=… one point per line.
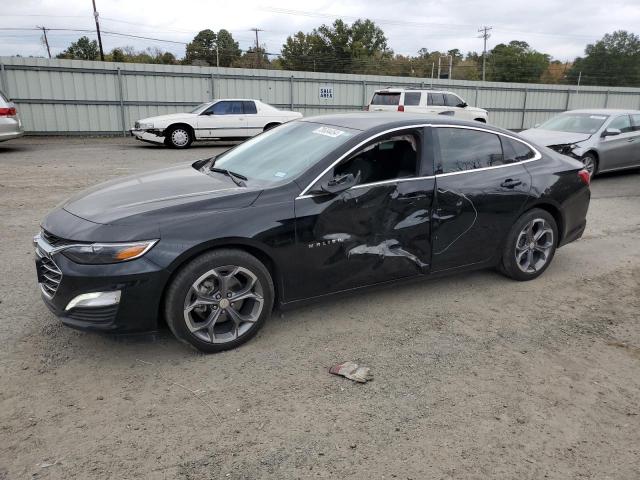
x=386, y=98
x=412, y=98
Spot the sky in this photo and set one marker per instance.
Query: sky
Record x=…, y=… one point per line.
x=559, y=28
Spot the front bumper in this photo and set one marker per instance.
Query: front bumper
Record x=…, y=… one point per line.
x=140, y=283
x=152, y=135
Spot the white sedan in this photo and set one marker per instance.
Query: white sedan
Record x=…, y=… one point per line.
x=230, y=119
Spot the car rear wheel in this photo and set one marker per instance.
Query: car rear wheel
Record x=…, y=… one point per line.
x=530, y=245
x=178, y=137
x=269, y=126
x=590, y=163
x=219, y=300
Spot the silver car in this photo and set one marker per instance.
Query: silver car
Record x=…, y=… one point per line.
x=10, y=123
x=603, y=139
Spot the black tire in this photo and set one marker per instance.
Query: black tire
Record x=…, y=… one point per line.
x=590, y=158
x=179, y=289
x=172, y=142
x=269, y=126
x=509, y=264
x=481, y=120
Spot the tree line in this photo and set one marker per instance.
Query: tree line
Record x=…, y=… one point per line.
x=362, y=48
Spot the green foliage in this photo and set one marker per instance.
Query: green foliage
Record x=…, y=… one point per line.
x=516, y=62
x=343, y=48
x=82, y=49
x=150, y=55
x=253, y=58
x=202, y=49
x=614, y=60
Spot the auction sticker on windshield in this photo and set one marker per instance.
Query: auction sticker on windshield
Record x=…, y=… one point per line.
x=329, y=132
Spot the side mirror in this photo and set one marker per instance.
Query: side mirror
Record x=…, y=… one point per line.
x=610, y=132
x=340, y=183
x=462, y=105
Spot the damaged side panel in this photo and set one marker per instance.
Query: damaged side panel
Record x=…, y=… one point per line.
x=365, y=235
x=473, y=213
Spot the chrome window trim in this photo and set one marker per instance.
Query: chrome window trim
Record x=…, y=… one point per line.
x=537, y=156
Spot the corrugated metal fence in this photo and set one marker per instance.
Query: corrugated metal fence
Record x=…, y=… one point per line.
x=81, y=97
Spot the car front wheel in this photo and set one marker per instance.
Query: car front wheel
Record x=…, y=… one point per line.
x=219, y=300
x=178, y=137
x=530, y=246
x=590, y=163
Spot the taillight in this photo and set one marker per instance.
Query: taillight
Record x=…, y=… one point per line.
x=585, y=176
x=401, y=108
x=8, y=112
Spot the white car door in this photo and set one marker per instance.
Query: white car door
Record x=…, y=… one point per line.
x=453, y=102
x=223, y=119
x=436, y=104
x=412, y=101
x=256, y=119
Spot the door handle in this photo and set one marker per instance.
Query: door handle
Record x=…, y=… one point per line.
x=511, y=183
x=630, y=139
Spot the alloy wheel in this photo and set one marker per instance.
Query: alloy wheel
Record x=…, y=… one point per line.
x=223, y=304
x=589, y=164
x=534, y=245
x=180, y=137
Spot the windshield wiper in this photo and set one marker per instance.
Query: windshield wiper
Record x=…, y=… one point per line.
x=235, y=177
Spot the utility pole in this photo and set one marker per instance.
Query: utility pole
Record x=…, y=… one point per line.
x=485, y=35
x=257, y=46
x=579, y=78
x=95, y=15
x=46, y=40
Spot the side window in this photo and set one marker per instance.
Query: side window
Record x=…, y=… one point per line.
x=227, y=108
x=463, y=149
x=436, y=99
x=387, y=158
x=635, y=120
x=412, y=98
x=515, y=151
x=622, y=123
x=249, y=107
x=452, y=100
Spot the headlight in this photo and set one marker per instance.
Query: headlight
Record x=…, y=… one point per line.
x=144, y=126
x=103, y=253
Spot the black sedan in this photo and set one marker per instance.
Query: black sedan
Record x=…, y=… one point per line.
x=314, y=207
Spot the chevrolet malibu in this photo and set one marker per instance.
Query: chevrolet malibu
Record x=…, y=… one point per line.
x=312, y=208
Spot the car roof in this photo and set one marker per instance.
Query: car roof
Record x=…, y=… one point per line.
x=603, y=111
x=372, y=120
x=400, y=90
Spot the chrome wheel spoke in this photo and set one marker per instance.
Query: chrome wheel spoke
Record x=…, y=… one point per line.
x=239, y=318
x=534, y=245
x=223, y=304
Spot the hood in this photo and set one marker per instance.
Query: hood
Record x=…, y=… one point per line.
x=476, y=109
x=180, y=188
x=167, y=117
x=552, y=137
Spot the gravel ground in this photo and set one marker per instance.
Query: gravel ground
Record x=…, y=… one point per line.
x=476, y=376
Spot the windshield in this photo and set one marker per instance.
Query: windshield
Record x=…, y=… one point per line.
x=200, y=107
x=575, y=123
x=283, y=152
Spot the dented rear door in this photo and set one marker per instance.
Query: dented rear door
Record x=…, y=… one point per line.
x=477, y=199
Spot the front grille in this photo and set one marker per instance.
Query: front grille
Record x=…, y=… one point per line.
x=94, y=314
x=52, y=239
x=50, y=275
